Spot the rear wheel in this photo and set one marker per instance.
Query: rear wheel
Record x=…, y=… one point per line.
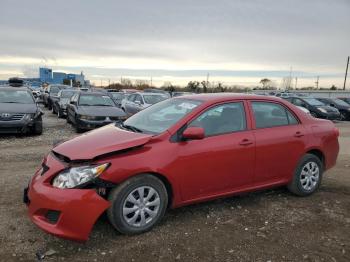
x=307, y=177
x=138, y=204
x=59, y=113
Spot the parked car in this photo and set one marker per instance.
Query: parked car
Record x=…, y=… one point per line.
x=317, y=108
x=345, y=99
x=35, y=91
x=118, y=97
x=50, y=94
x=89, y=110
x=342, y=106
x=180, y=151
x=139, y=101
x=19, y=112
x=176, y=94
x=157, y=91
x=60, y=105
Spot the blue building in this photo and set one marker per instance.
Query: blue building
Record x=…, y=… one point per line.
x=58, y=77
x=48, y=76
x=45, y=75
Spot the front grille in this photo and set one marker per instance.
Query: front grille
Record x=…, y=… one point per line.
x=114, y=118
x=52, y=216
x=11, y=117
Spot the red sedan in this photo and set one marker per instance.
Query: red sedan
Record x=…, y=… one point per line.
x=181, y=151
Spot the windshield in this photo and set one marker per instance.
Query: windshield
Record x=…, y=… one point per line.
x=95, y=100
x=314, y=102
x=66, y=94
x=340, y=102
x=153, y=99
x=16, y=96
x=118, y=96
x=158, y=118
x=54, y=89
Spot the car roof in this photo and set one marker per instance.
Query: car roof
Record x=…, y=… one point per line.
x=9, y=88
x=217, y=97
x=94, y=93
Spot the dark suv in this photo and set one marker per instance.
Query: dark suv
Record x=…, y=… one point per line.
x=50, y=95
x=342, y=106
x=19, y=113
x=316, y=107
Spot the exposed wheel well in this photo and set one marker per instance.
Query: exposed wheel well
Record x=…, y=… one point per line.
x=319, y=154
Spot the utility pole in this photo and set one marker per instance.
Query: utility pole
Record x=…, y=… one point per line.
x=317, y=81
x=296, y=83
x=290, y=78
x=109, y=82
x=346, y=72
x=101, y=82
x=207, y=79
x=151, y=82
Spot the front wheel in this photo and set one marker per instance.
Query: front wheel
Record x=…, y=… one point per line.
x=38, y=127
x=138, y=204
x=307, y=177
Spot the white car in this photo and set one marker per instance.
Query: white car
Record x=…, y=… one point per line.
x=138, y=101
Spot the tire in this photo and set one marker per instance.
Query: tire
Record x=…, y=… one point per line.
x=78, y=129
x=49, y=106
x=307, y=177
x=67, y=119
x=54, y=109
x=119, y=196
x=59, y=114
x=38, y=127
x=343, y=116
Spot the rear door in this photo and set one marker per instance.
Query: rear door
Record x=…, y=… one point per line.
x=280, y=141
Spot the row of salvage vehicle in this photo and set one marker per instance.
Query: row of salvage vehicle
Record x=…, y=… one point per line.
x=90, y=109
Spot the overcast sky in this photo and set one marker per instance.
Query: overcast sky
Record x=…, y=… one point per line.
x=236, y=41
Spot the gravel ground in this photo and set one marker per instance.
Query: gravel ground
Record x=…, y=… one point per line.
x=271, y=225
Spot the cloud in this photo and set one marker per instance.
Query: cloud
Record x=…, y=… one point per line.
x=224, y=35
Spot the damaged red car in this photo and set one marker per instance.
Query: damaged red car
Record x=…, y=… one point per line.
x=180, y=151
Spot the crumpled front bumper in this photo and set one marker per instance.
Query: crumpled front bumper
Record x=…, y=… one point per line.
x=66, y=213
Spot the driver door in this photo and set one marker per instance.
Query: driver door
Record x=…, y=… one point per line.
x=223, y=161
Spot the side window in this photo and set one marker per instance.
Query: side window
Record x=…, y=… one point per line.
x=222, y=119
x=269, y=114
x=131, y=98
x=138, y=99
x=298, y=102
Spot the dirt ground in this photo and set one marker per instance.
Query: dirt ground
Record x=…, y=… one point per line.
x=271, y=225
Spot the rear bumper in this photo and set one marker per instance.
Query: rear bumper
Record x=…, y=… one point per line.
x=66, y=213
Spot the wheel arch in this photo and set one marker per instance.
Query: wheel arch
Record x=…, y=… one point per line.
x=167, y=184
x=317, y=152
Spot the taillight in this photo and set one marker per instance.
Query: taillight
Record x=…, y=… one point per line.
x=336, y=131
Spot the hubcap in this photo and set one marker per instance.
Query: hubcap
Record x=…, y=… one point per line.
x=310, y=175
x=141, y=206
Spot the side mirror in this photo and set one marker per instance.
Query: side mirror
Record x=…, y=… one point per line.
x=72, y=102
x=333, y=105
x=193, y=133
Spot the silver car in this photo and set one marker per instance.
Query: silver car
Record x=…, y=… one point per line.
x=139, y=101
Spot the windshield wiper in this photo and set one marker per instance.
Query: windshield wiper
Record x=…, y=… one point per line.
x=132, y=128
x=101, y=105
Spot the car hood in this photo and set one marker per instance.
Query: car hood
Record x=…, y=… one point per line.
x=18, y=108
x=105, y=140
x=100, y=111
x=64, y=101
x=329, y=109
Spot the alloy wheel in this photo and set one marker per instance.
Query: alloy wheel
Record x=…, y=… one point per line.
x=309, y=177
x=141, y=206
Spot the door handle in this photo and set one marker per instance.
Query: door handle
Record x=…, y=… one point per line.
x=298, y=134
x=246, y=142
